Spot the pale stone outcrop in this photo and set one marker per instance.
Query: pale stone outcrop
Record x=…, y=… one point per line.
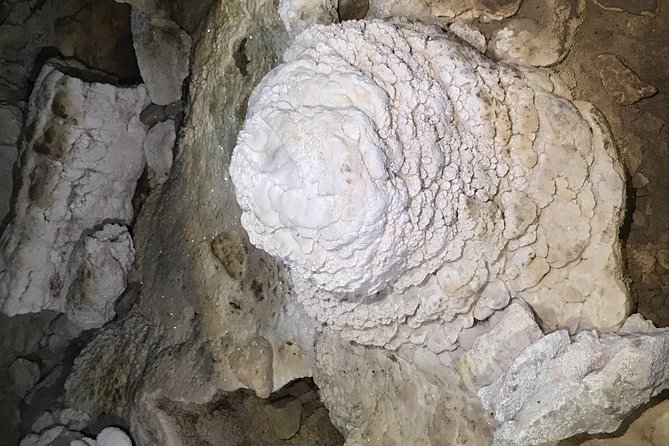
x=80, y=158
x=559, y=387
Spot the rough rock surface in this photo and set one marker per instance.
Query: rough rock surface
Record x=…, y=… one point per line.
x=55, y=435
x=541, y=40
x=624, y=85
x=650, y=429
x=451, y=10
x=203, y=292
x=11, y=118
x=24, y=375
x=298, y=15
x=158, y=147
x=558, y=387
x=384, y=398
x=96, y=275
x=163, y=55
x=513, y=329
x=641, y=7
x=81, y=155
x=113, y=436
x=407, y=234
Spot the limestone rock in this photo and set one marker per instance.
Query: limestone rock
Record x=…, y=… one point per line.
x=557, y=387
x=650, y=429
x=298, y=15
x=513, y=329
x=158, y=147
x=163, y=55
x=113, y=436
x=469, y=9
x=284, y=416
x=540, y=40
x=252, y=364
x=8, y=155
x=81, y=156
x=621, y=82
x=11, y=118
x=56, y=435
x=96, y=275
x=24, y=375
x=84, y=442
x=663, y=258
x=640, y=7
x=386, y=398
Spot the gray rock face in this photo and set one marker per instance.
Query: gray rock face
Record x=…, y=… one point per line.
x=621, y=82
x=163, y=52
x=560, y=387
x=81, y=155
x=24, y=375
x=11, y=117
x=158, y=150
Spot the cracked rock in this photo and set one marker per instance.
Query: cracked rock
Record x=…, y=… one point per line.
x=81, y=157
x=621, y=82
x=559, y=387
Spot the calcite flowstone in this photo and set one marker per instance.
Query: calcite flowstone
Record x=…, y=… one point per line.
x=429, y=186
x=80, y=158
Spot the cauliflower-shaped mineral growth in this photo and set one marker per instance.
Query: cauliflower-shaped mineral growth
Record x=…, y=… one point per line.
x=412, y=186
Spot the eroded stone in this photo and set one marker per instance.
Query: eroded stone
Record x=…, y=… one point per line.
x=621, y=82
